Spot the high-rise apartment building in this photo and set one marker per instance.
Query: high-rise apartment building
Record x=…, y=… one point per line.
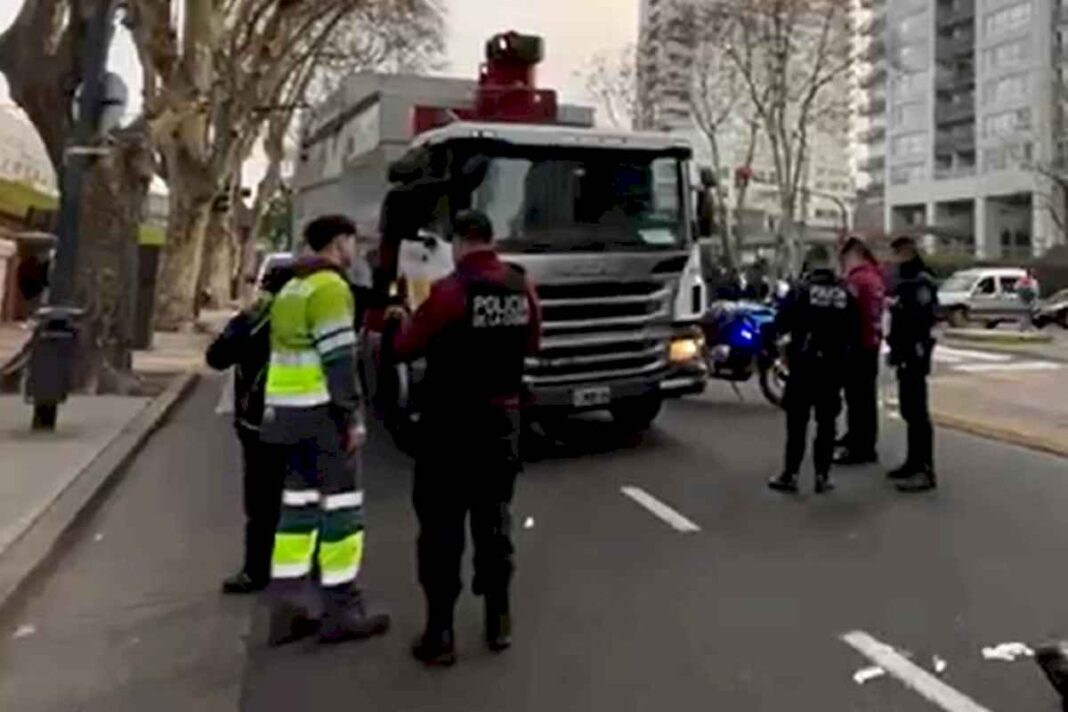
x=973, y=120
x=667, y=60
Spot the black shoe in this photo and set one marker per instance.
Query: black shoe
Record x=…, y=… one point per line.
x=241, y=583
x=920, y=481
x=847, y=457
x=290, y=623
x=1053, y=659
x=786, y=482
x=824, y=483
x=901, y=473
x=350, y=620
x=435, y=648
x=498, y=629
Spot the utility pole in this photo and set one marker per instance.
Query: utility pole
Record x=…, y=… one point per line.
x=55, y=338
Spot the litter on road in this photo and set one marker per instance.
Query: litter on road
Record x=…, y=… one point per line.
x=939, y=665
x=24, y=631
x=869, y=673
x=1009, y=652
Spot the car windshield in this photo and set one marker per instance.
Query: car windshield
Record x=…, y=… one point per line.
x=591, y=200
x=960, y=282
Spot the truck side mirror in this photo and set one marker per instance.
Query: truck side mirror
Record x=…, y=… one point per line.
x=705, y=214
x=708, y=178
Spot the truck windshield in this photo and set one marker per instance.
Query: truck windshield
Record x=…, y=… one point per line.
x=591, y=201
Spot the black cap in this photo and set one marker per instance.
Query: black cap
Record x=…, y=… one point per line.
x=903, y=241
x=473, y=225
x=320, y=232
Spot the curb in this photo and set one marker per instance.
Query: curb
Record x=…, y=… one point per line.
x=997, y=337
x=1001, y=433
x=28, y=555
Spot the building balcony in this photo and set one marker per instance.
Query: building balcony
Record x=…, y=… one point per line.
x=874, y=78
x=875, y=51
x=874, y=27
x=873, y=164
x=874, y=134
x=1060, y=15
x=956, y=112
x=875, y=106
x=959, y=140
x=949, y=49
x=947, y=80
x=951, y=172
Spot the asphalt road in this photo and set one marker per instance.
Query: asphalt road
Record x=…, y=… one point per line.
x=616, y=609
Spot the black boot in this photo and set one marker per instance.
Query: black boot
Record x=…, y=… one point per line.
x=290, y=623
x=435, y=647
x=498, y=628
x=346, y=618
x=786, y=482
x=920, y=481
x=823, y=483
x=903, y=472
x=241, y=583
x=1053, y=659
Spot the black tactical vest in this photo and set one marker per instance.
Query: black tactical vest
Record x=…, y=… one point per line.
x=478, y=363
x=825, y=329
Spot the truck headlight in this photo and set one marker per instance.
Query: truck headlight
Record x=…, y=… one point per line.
x=686, y=349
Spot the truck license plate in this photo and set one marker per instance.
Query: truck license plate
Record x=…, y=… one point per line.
x=587, y=397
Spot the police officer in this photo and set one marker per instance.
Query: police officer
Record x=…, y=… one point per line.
x=476, y=328
x=821, y=319
x=245, y=345
x=914, y=301
x=314, y=412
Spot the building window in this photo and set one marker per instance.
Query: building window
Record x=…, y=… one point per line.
x=910, y=114
x=910, y=83
x=900, y=175
x=1006, y=55
x=1007, y=122
x=1007, y=19
x=1011, y=88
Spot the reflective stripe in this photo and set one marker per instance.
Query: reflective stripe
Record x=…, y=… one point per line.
x=298, y=400
x=300, y=498
x=336, y=578
x=295, y=358
x=339, y=561
x=290, y=571
x=329, y=327
x=340, y=340
x=347, y=500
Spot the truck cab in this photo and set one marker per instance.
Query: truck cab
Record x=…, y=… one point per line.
x=600, y=221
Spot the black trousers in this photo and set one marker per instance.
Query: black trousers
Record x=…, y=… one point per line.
x=862, y=402
x=912, y=397
x=808, y=391
x=463, y=477
x=264, y=473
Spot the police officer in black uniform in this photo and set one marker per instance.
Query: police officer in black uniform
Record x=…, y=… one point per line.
x=476, y=329
x=914, y=301
x=821, y=319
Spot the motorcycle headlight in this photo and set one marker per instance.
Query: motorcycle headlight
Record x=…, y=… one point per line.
x=683, y=350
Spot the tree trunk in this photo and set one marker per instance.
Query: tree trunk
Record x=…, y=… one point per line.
x=217, y=264
x=106, y=275
x=179, y=272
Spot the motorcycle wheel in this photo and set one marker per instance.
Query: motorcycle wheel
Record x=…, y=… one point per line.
x=773, y=382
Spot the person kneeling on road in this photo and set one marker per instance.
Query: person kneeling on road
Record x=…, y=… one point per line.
x=476, y=329
x=245, y=345
x=821, y=319
x=314, y=413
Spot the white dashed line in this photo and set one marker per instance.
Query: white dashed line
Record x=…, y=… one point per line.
x=674, y=519
x=1003, y=367
x=912, y=676
x=968, y=354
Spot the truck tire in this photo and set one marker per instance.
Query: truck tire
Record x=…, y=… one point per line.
x=637, y=415
x=958, y=317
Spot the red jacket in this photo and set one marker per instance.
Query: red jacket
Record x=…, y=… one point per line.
x=866, y=284
x=447, y=304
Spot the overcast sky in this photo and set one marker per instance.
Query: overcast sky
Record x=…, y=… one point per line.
x=574, y=30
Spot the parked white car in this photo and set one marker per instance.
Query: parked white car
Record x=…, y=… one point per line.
x=984, y=295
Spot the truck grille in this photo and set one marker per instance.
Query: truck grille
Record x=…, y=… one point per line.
x=601, y=331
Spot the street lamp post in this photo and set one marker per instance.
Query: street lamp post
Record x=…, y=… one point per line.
x=55, y=336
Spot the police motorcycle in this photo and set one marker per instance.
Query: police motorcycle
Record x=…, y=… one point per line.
x=741, y=342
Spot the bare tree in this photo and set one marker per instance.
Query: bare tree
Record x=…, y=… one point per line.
x=210, y=86
x=612, y=82
x=41, y=55
x=794, y=57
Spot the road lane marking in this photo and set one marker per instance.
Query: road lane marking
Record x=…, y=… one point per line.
x=1007, y=367
x=674, y=519
x=912, y=676
x=968, y=354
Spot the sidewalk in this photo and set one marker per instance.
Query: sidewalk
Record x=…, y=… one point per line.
x=12, y=338
x=1028, y=409
x=48, y=478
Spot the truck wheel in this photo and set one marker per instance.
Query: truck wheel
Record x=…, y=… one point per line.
x=636, y=416
x=958, y=317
